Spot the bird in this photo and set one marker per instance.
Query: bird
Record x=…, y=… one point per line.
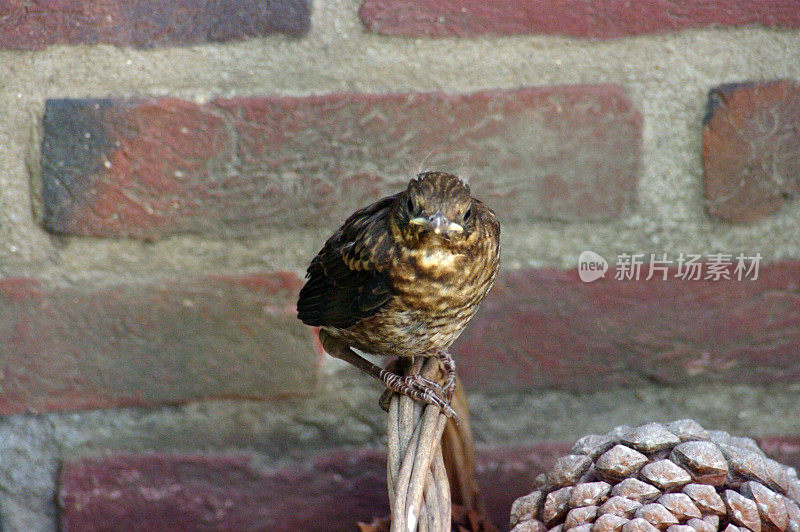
x=402, y=277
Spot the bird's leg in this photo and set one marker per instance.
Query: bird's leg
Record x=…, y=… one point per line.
x=413, y=386
x=448, y=366
x=418, y=388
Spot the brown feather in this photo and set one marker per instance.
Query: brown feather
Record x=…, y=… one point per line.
x=387, y=286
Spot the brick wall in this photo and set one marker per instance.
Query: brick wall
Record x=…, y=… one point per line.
x=167, y=169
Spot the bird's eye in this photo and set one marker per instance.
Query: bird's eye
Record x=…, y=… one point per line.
x=410, y=205
x=467, y=214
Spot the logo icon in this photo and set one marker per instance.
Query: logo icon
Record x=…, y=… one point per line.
x=591, y=266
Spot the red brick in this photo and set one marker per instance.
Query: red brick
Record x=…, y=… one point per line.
x=506, y=473
x=597, y=19
x=547, y=329
x=331, y=492
x=244, y=166
x=165, y=492
x=751, y=149
x=784, y=449
x=94, y=346
x=211, y=492
x=26, y=25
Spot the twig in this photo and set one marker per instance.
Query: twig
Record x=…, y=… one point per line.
x=418, y=487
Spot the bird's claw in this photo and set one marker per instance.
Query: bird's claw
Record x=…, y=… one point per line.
x=420, y=389
x=448, y=367
x=429, y=392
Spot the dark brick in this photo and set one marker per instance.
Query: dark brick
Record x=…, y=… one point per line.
x=547, y=329
x=74, y=146
x=506, y=473
x=212, y=492
x=94, y=346
x=245, y=166
x=331, y=492
x=165, y=492
x=784, y=449
x=751, y=149
x=597, y=19
x=33, y=25
x=221, y=493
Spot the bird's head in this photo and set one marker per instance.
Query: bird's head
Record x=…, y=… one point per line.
x=436, y=206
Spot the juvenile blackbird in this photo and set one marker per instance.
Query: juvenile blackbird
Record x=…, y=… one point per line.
x=402, y=277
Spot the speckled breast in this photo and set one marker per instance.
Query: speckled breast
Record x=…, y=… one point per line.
x=435, y=295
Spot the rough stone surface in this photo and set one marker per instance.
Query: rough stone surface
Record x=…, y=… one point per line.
x=751, y=149
x=638, y=524
x=770, y=505
x=665, y=475
x=650, y=438
x=147, y=343
x=568, y=469
x=246, y=166
x=580, y=516
x=590, y=494
x=146, y=24
x=706, y=498
x=530, y=526
x=526, y=507
x=742, y=511
x=619, y=506
x=744, y=464
x=603, y=19
x=688, y=430
x=700, y=525
x=546, y=328
x=680, y=528
x=619, y=462
x=636, y=490
x=656, y=515
x=593, y=445
x=556, y=506
x=680, y=505
x=703, y=460
x=609, y=523
x=649, y=497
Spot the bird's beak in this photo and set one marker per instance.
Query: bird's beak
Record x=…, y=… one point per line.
x=438, y=223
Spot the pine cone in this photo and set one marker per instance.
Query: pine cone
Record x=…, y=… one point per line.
x=676, y=477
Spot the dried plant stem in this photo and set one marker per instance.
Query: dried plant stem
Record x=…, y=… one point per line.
x=418, y=487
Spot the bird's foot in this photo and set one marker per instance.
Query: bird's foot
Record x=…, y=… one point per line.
x=420, y=389
x=448, y=366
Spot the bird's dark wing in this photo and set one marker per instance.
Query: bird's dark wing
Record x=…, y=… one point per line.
x=347, y=281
